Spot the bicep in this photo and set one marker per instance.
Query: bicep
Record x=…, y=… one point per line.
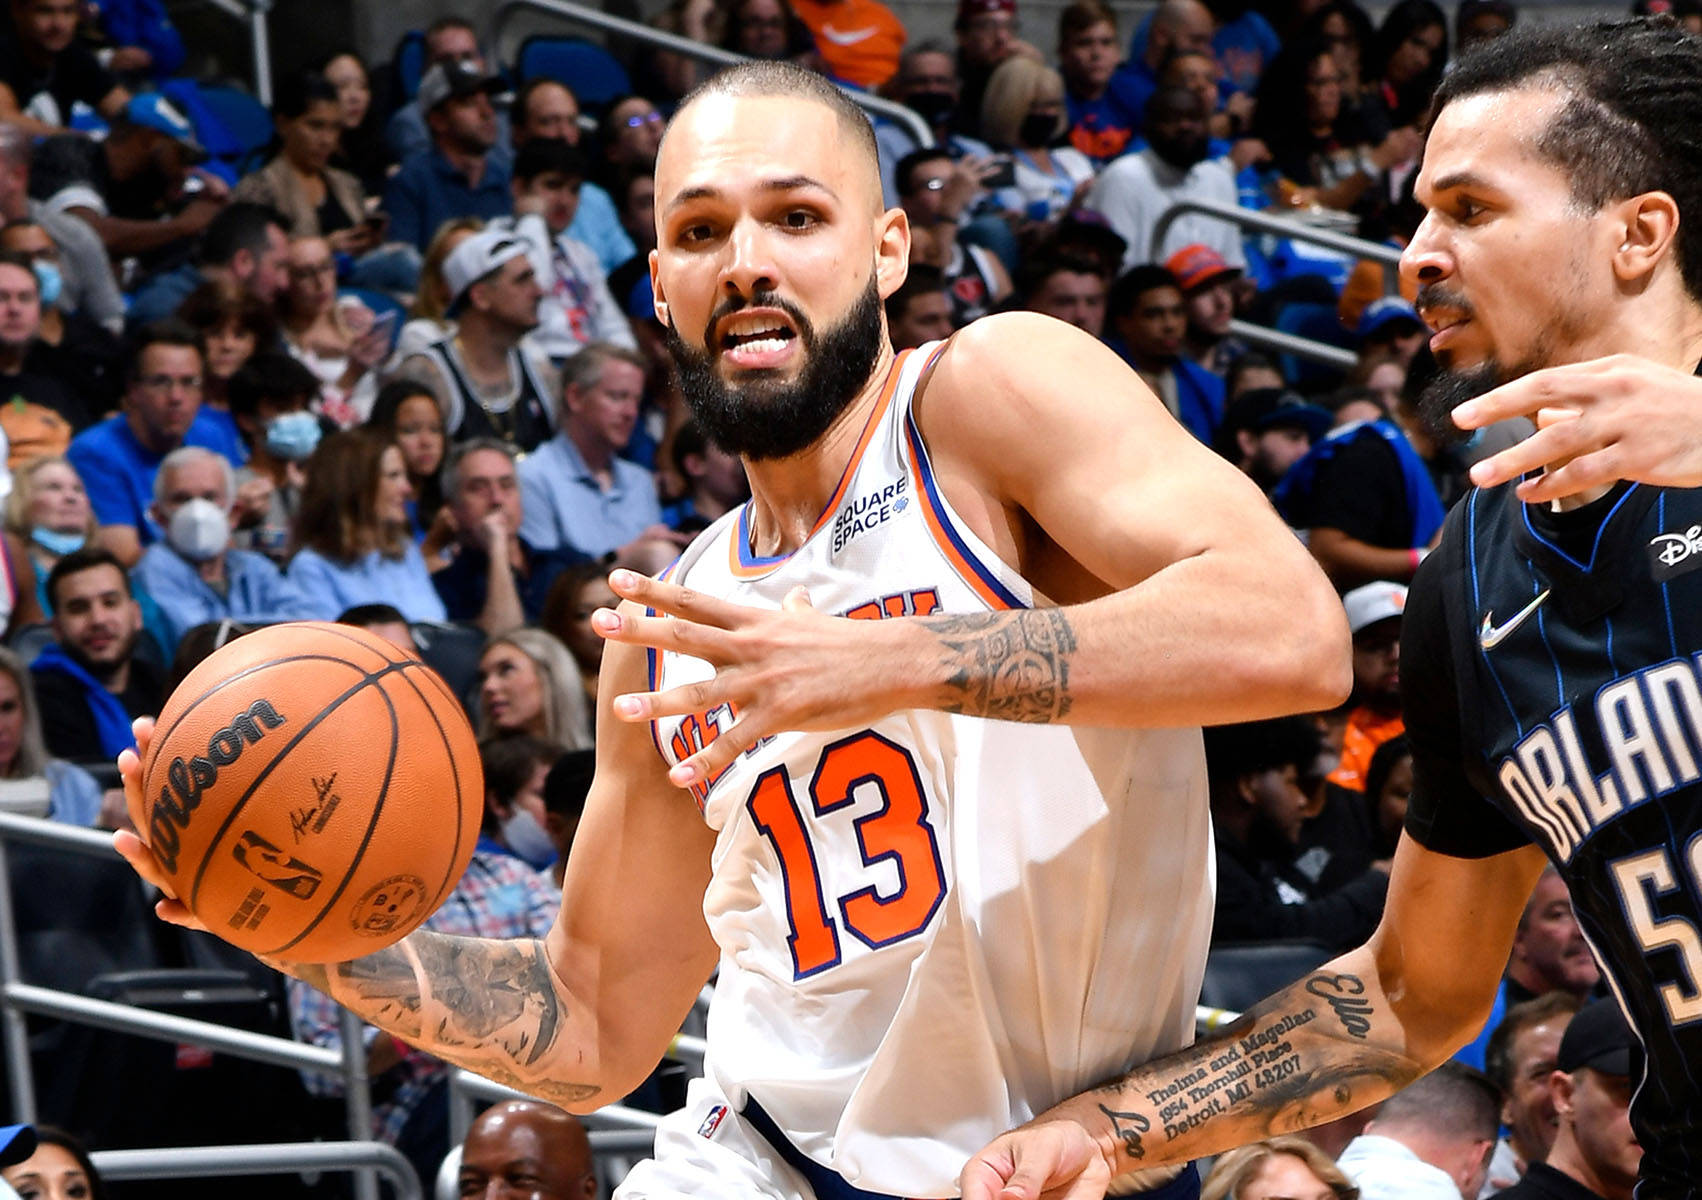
x=631, y=925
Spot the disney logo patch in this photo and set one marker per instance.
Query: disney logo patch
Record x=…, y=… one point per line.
x=1673, y=554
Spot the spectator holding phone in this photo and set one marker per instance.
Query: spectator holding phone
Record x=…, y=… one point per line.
x=340, y=341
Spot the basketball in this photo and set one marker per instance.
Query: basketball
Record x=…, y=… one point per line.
x=312, y=791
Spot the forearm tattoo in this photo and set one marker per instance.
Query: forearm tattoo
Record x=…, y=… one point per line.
x=1011, y=666
x=488, y=1005
x=1281, y=1068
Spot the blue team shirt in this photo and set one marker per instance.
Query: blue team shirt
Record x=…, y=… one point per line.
x=118, y=471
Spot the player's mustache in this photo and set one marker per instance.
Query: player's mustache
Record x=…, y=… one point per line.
x=1433, y=296
x=806, y=332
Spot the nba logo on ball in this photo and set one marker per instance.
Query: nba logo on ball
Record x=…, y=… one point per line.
x=312, y=792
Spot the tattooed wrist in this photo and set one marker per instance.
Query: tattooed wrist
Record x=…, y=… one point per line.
x=1011, y=666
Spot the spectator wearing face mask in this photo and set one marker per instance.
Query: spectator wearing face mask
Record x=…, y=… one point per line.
x=70, y=346
x=270, y=396
x=194, y=575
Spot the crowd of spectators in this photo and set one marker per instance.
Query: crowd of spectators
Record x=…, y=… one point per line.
x=402, y=367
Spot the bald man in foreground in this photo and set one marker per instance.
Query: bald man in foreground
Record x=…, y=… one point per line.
x=527, y=1149
x=951, y=855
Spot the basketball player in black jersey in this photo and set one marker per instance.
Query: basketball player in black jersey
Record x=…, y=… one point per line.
x=1552, y=652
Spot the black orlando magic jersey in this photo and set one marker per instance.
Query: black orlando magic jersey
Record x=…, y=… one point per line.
x=1552, y=668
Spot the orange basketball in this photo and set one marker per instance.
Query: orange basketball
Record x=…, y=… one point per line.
x=313, y=792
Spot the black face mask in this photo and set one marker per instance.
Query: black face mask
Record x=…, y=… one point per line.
x=933, y=107
x=1181, y=153
x=1037, y=129
x=764, y=418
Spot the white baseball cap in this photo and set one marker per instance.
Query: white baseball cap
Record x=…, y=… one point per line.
x=477, y=257
x=1372, y=603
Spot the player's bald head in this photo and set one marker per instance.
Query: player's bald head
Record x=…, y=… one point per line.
x=785, y=80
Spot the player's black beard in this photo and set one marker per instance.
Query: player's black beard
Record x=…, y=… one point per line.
x=1445, y=392
x=765, y=418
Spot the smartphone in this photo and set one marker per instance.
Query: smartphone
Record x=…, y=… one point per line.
x=1003, y=174
x=376, y=223
x=384, y=324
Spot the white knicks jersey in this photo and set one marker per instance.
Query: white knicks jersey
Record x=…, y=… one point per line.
x=937, y=926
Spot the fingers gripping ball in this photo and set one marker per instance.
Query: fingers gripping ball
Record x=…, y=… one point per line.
x=313, y=792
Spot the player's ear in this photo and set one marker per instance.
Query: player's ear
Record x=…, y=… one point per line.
x=660, y=299
x=1647, y=228
x=892, y=250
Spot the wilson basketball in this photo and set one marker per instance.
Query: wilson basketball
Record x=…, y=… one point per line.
x=313, y=792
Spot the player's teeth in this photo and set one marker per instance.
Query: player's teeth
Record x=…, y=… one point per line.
x=763, y=345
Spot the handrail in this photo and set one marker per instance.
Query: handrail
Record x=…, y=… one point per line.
x=274, y=1158
x=578, y=13
x=259, y=40
x=1288, y=227
x=1267, y=338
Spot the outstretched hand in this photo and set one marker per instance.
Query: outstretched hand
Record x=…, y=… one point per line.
x=131, y=845
x=1046, y=1160
x=785, y=670
x=1598, y=422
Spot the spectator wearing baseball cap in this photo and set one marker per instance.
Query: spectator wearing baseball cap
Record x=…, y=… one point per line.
x=1374, y=713
x=1595, y=1152
x=461, y=175
x=1390, y=328
x=485, y=383
x=1208, y=293
x=1267, y=430
x=119, y=185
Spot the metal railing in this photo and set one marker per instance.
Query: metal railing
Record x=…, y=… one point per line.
x=592, y=18
x=17, y=998
x=1288, y=227
x=259, y=40
x=1266, y=338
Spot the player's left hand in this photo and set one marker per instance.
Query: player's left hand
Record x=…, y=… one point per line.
x=1046, y=1160
x=782, y=671
x=1621, y=417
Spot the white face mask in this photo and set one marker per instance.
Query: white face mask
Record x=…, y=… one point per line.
x=522, y=834
x=199, y=530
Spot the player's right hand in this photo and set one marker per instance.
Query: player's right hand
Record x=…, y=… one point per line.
x=1048, y=1160
x=131, y=846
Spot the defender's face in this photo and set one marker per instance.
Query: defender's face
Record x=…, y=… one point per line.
x=761, y=198
x=1510, y=270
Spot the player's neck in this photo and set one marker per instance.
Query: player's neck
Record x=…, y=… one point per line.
x=789, y=494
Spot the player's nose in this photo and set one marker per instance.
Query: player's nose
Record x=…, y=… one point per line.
x=749, y=265
x=1428, y=257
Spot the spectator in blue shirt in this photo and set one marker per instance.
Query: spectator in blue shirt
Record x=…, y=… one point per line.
x=495, y=579
x=1177, y=26
x=1102, y=118
x=578, y=492
x=460, y=175
x=1146, y=312
x=352, y=532
x=194, y=575
x=450, y=39
x=162, y=410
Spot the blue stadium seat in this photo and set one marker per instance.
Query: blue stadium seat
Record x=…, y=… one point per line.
x=591, y=71
x=453, y=652
x=409, y=64
x=243, y=118
x=1321, y=323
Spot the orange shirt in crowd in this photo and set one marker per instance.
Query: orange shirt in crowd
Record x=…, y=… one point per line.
x=1366, y=730
x=859, y=40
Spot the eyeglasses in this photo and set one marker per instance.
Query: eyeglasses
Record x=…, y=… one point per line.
x=160, y=383
x=638, y=120
x=309, y=270
x=936, y=184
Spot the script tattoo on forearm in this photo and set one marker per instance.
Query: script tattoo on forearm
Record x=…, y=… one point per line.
x=489, y=1005
x=1270, y=1072
x=1009, y=666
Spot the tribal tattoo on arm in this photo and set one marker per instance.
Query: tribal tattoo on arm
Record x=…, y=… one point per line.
x=1315, y=1051
x=1011, y=666
x=489, y=1005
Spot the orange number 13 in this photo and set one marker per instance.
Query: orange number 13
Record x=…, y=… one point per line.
x=898, y=832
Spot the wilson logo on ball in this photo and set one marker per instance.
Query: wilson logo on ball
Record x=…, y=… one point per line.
x=188, y=780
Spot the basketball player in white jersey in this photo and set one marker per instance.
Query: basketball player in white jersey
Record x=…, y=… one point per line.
x=952, y=860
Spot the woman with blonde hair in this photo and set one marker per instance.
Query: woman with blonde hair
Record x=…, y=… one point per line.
x=528, y=683
x=354, y=545
x=73, y=796
x=1023, y=113
x=47, y=516
x=1279, y=1168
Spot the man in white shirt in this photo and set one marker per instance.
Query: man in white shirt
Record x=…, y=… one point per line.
x=1429, y=1141
x=1136, y=189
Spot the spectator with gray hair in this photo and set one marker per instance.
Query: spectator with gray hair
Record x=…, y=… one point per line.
x=1430, y=1141
x=495, y=579
x=193, y=574
x=580, y=494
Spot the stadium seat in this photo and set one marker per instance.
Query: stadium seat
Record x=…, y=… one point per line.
x=1239, y=975
x=453, y=652
x=30, y=640
x=408, y=62
x=1320, y=323
x=591, y=71
x=244, y=119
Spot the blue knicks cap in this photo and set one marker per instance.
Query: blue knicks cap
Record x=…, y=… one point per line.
x=151, y=110
x=17, y=1142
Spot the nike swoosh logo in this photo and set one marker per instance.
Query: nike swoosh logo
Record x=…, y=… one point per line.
x=1492, y=635
x=847, y=39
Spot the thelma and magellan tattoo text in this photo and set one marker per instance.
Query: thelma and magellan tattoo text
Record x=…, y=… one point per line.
x=1012, y=666
x=1281, y=1068
x=488, y=1005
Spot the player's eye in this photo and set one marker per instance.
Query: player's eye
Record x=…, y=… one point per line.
x=800, y=218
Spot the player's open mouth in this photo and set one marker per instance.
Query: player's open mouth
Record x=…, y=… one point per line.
x=756, y=339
